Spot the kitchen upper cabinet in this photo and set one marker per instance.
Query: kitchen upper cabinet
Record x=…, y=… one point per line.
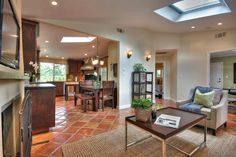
x=73, y=67
x=29, y=35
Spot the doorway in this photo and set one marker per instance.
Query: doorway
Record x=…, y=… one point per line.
x=216, y=74
x=166, y=74
x=159, y=80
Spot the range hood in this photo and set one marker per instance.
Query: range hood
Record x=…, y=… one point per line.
x=88, y=65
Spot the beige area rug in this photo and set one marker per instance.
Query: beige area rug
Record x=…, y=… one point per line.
x=112, y=144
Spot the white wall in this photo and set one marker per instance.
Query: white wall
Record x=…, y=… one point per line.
x=173, y=79
x=11, y=88
x=193, y=55
x=193, y=58
x=138, y=40
x=113, y=51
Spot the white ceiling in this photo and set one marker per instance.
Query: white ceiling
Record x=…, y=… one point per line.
x=227, y=53
x=126, y=13
x=56, y=49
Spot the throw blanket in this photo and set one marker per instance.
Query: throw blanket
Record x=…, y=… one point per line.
x=192, y=107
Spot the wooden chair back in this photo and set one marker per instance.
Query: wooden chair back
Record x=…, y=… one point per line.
x=108, y=88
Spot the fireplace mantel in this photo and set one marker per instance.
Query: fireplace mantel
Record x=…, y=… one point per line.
x=12, y=76
x=3, y=107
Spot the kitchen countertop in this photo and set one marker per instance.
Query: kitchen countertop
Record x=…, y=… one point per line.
x=71, y=83
x=39, y=86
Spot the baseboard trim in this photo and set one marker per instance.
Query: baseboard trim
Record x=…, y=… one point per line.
x=124, y=106
x=169, y=98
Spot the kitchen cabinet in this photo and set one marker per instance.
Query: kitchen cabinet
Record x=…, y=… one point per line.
x=43, y=106
x=59, y=87
x=74, y=68
x=29, y=35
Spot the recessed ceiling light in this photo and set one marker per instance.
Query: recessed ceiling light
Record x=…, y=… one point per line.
x=193, y=27
x=46, y=56
x=93, y=46
x=77, y=39
x=54, y=3
x=219, y=24
x=85, y=54
x=46, y=41
x=62, y=58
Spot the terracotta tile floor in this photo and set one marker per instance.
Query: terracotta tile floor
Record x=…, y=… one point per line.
x=73, y=125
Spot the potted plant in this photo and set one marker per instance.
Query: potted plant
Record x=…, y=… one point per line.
x=143, y=109
x=138, y=67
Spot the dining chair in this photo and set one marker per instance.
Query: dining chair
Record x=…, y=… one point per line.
x=86, y=83
x=84, y=100
x=107, y=93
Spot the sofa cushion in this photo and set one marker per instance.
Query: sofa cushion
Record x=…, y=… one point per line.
x=191, y=107
x=202, y=90
x=205, y=99
x=217, y=96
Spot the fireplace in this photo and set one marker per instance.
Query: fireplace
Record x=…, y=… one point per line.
x=16, y=127
x=10, y=127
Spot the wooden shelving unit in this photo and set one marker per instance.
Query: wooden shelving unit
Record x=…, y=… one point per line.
x=142, y=85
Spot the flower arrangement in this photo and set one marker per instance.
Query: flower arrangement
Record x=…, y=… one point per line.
x=33, y=75
x=35, y=66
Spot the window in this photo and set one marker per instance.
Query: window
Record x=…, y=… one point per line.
x=103, y=73
x=52, y=72
x=189, y=5
x=159, y=73
x=192, y=9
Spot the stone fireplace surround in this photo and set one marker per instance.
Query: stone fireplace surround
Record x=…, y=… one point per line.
x=11, y=94
x=10, y=127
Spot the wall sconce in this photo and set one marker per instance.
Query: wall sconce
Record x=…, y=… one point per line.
x=148, y=57
x=129, y=53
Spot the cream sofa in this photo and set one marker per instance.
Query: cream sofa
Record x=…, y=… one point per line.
x=216, y=115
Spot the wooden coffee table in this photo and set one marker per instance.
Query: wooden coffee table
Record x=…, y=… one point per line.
x=188, y=120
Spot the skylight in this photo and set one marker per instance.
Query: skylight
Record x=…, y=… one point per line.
x=77, y=39
x=184, y=10
x=189, y=5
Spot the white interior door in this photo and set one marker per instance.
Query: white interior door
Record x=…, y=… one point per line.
x=216, y=75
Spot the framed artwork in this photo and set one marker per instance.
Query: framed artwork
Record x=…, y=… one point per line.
x=115, y=69
x=234, y=72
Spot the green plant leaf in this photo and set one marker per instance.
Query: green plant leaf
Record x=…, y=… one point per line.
x=141, y=103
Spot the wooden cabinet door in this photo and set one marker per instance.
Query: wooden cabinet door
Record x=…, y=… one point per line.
x=43, y=109
x=29, y=43
x=73, y=67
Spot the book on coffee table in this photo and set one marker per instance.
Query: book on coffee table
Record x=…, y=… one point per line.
x=168, y=121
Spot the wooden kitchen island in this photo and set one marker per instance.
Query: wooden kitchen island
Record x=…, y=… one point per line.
x=43, y=106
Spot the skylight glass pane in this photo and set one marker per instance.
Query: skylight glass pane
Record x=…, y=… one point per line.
x=189, y=5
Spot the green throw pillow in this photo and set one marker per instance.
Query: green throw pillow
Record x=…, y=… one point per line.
x=205, y=99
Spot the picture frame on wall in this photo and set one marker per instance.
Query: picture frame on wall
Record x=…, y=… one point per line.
x=115, y=69
x=234, y=72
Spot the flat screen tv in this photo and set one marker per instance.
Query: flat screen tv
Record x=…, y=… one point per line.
x=10, y=35
x=234, y=73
